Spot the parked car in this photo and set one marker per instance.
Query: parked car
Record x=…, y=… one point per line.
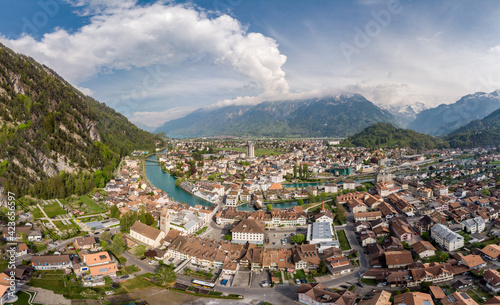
x=142, y=258
x=303, y=281
x=344, y=286
x=361, y=284
x=151, y=262
x=291, y=234
x=274, y=243
x=297, y=281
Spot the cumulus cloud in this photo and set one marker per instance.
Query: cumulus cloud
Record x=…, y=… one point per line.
x=126, y=35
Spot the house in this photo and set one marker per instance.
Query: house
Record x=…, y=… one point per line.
x=145, y=234
x=413, y=298
x=446, y=238
x=367, y=237
x=22, y=249
x=424, y=249
x=248, y=230
x=349, y=184
x=380, y=298
x=35, y=236
x=492, y=278
x=16, y=233
x=50, y=262
x=493, y=301
x=474, y=225
x=8, y=289
x=434, y=273
x=83, y=243
x=324, y=215
x=398, y=259
x=437, y=293
x=361, y=225
x=491, y=252
x=461, y=284
x=331, y=188
x=458, y=298
x=305, y=257
x=339, y=265
x=319, y=294
x=473, y=261
x=401, y=230
x=100, y=264
x=357, y=206
x=367, y=216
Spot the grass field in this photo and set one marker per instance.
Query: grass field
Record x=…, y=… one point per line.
x=344, y=243
x=92, y=205
x=24, y=297
x=37, y=214
x=61, y=226
x=53, y=209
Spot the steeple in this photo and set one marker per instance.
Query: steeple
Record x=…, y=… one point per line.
x=323, y=207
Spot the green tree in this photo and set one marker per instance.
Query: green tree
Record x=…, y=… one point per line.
x=300, y=202
x=227, y=237
x=115, y=212
x=127, y=220
x=298, y=238
x=166, y=274
x=139, y=250
x=118, y=245
x=269, y=207
x=340, y=214
x=424, y=286
x=305, y=171
x=105, y=236
x=322, y=267
x=295, y=171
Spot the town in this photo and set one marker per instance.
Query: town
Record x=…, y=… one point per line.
x=316, y=222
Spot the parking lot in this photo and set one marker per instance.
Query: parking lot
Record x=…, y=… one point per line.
x=259, y=277
x=276, y=235
x=241, y=279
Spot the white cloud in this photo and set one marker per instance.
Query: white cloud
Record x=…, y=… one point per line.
x=125, y=35
x=156, y=119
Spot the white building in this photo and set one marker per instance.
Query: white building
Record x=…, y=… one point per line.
x=248, y=230
x=474, y=225
x=446, y=238
x=331, y=188
x=147, y=235
x=323, y=235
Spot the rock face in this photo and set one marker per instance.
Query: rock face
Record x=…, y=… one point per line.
x=48, y=127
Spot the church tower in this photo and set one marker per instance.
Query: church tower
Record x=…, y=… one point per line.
x=164, y=220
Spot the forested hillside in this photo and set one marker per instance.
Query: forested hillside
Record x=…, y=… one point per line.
x=385, y=135
x=54, y=140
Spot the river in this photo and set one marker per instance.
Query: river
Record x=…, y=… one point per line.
x=166, y=182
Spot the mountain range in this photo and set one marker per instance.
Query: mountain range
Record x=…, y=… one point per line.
x=447, y=118
x=55, y=140
x=335, y=116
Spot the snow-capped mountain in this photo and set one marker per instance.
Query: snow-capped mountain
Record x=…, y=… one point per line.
x=405, y=114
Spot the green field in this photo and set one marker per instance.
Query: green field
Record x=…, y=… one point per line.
x=53, y=209
x=497, y=162
x=37, y=214
x=23, y=298
x=92, y=205
x=61, y=226
x=344, y=243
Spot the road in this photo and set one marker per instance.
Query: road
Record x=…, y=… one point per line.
x=143, y=265
x=277, y=295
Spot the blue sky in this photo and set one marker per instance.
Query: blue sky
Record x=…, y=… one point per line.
x=159, y=60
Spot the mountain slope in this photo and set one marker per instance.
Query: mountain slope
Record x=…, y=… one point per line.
x=324, y=117
x=404, y=115
x=446, y=118
x=484, y=132
x=385, y=135
x=48, y=127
